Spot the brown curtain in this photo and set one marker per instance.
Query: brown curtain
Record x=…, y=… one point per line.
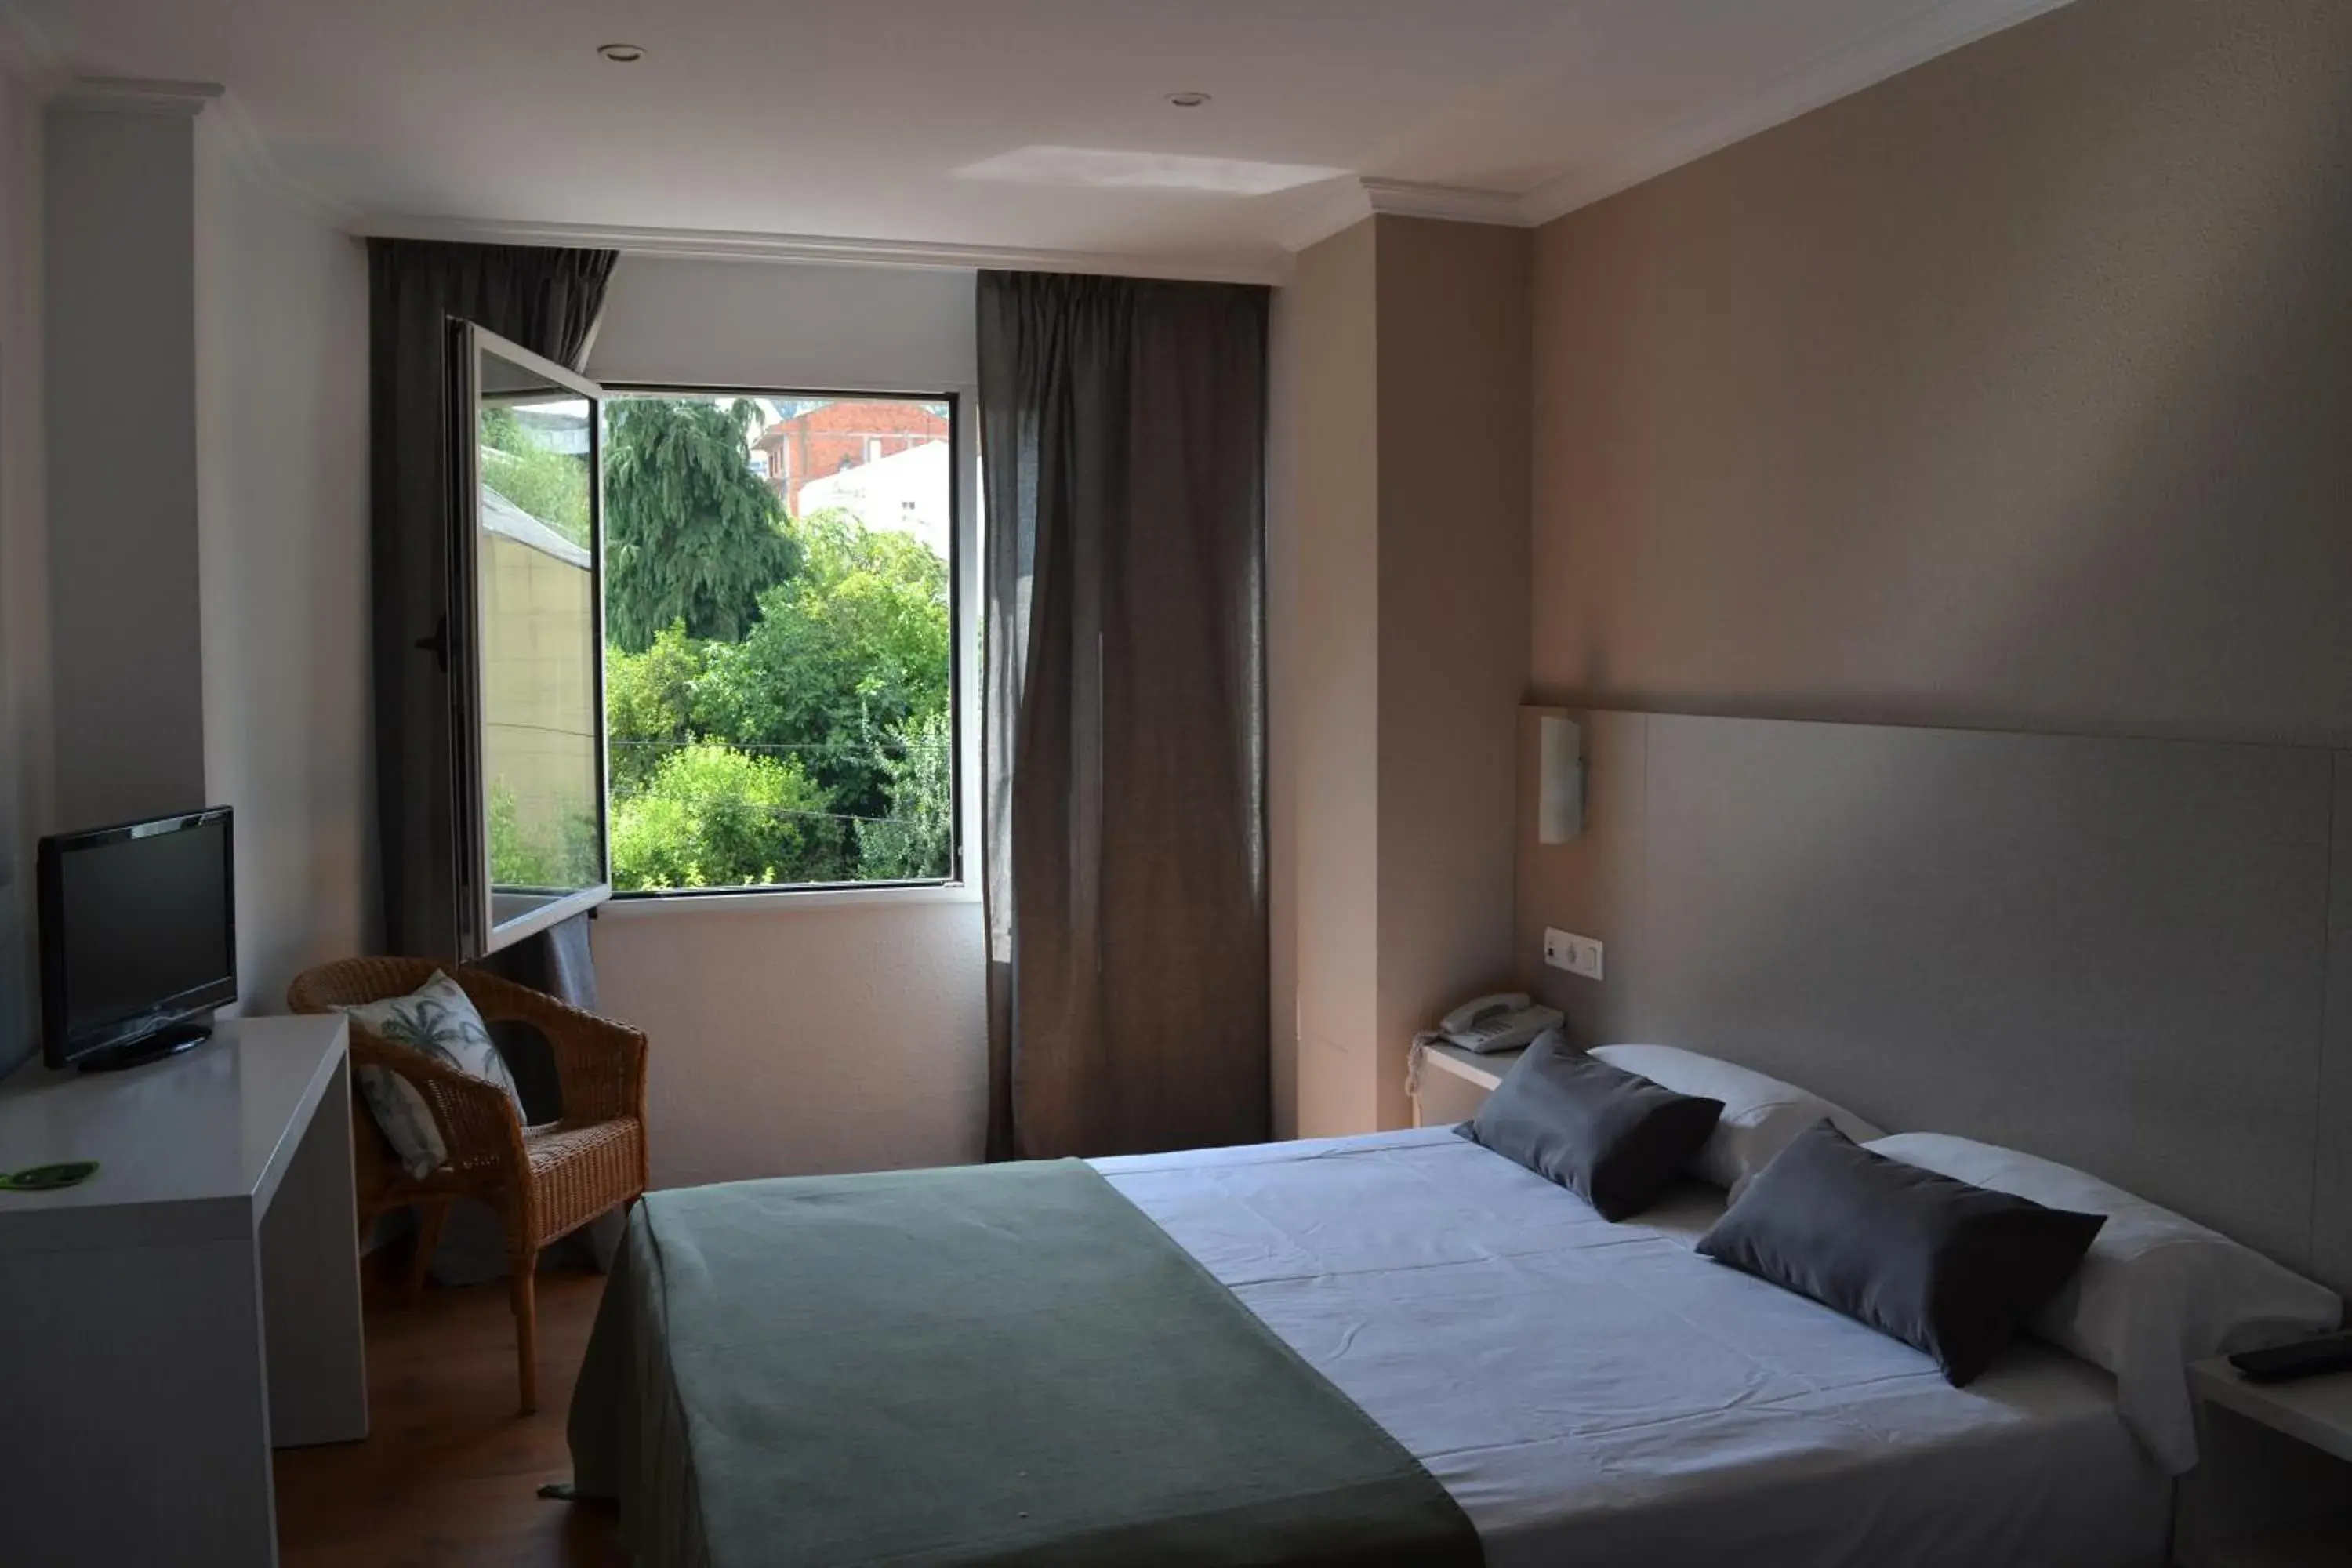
x=1122, y=430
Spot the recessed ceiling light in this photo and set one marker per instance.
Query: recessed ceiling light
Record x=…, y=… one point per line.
x=1188, y=99
x=621, y=54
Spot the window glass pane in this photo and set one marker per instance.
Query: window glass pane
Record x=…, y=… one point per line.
x=541, y=764
x=778, y=671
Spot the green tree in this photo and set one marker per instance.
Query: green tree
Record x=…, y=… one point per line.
x=712, y=816
x=649, y=704
x=842, y=659
x=692, y=536
x=916, y=840
x=558, y=854
x=551, y=486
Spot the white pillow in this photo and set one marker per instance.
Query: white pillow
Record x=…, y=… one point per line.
x=1760, y=1114
x=436, y=1020
x=2155, y=1292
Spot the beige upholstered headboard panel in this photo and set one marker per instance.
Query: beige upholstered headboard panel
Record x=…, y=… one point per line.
x=2133, y=956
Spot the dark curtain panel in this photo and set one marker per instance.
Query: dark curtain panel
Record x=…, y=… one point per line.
x=1122, y=429
x=546, y=299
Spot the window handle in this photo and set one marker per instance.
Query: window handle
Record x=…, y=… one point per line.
x=438, y=644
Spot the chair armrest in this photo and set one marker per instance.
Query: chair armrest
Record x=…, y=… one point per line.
x=601, y=1064
x=478, y=1123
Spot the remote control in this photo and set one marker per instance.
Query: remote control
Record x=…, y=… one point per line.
x=2305, y=1358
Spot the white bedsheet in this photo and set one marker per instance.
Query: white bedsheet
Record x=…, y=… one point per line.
x=1596, y=1394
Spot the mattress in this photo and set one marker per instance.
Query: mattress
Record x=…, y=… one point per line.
x=1599, y=1395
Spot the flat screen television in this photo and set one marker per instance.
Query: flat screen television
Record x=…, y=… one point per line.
x=138, y=938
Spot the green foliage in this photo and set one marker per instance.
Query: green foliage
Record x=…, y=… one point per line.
x=750, y=746
x=551, y=486
x=649, y=703
x=712, y=816
x=849, y=653
x=916, y=840
x=561, y=854
x=693, y=537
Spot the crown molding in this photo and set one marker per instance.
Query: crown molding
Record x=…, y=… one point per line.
x=1343, y=205
x=138, y=95
x=245, y=152
x=1359, y=196
x=1449, y=203
x=726, y=245
x=1864, y=62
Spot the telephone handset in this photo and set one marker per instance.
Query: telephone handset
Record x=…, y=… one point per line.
x=1502, y=1022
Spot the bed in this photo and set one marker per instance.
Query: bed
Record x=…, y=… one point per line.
x=1582, y=1393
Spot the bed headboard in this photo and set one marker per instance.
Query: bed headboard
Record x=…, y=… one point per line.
x=2132, y=956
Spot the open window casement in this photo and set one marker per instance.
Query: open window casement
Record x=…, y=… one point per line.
x=527, y=644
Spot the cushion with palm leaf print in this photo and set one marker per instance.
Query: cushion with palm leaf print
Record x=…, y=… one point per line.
x=437, y=1021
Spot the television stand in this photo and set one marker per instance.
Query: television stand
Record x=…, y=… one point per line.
x=154, y=1047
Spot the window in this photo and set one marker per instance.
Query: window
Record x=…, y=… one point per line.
x=675, y=670
x=779, y=657
x=531, y=848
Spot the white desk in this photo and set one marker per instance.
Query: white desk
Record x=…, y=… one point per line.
x=196, y=1302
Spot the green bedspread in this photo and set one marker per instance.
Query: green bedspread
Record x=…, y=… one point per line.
x=995, y=1364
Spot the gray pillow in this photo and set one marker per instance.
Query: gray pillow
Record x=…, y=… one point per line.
x=1612, y=1137
x=1945, y=1268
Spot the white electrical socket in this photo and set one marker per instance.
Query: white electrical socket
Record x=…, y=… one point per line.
x=1577, y=954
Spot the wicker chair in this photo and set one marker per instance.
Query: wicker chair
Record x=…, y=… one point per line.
x=544, y=1181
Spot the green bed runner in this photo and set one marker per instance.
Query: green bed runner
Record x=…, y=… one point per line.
x=994, y=1364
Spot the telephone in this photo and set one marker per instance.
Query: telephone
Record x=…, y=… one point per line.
x=1502, y=1022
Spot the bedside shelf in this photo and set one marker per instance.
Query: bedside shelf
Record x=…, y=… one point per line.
x=2274, y=1470
x=2314, y=1410
x=1454, y=1083
x=2320, y=1544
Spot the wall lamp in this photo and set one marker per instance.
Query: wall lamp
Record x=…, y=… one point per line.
x=1560, y=786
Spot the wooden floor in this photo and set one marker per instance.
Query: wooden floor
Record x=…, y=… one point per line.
x=449, y=1474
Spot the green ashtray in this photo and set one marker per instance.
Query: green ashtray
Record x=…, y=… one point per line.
x=47, y=1178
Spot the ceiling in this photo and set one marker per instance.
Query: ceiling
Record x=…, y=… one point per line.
x=843, y=120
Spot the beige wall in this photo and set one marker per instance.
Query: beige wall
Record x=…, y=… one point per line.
x=1408, y=364
x=1453, y=433
x=2014, y=392
x=792, y=1037
x=1282, y=711
x=1332, y=302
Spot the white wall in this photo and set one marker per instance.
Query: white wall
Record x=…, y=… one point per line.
x=786, y=328
x=281, y=357
x=798, y=1033
x=25, y=770
x=125, y=666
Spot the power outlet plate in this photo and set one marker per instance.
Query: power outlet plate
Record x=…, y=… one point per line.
x=1577, y=954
